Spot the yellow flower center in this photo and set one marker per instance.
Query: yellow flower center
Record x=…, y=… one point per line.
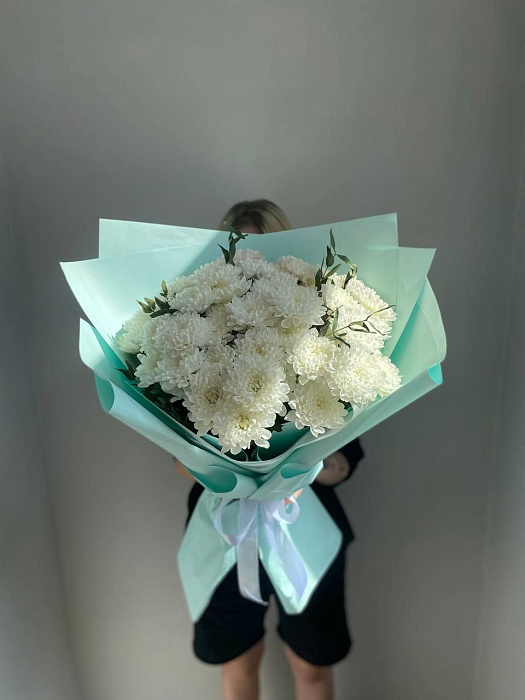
x=212, y=396
x=243, y=422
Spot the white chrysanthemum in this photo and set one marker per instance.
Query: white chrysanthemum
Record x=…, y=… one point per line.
x=129, y=336
x=263, y=341
x=311, y=355
x=256, y=269
x=179, y=284
x=204, y=397
x=315, y=407
x=225, y=281
x=244, y=254
x=290, y=336
x=335, y=296
x=218, y=317
x=221, y=355
x=372, y=341
x=296, y=305
x=237, y=427
x=257, y=383
x=338, y=280
x=196, y=298
x=298, y=268
x=350, y=311
x=147, y=370
x=368, y=298
x=265, y=287
x=357, y=377
x=388, y=376
x=249, y=310
x=174, y=372
x=252, y=263
x=176, y=333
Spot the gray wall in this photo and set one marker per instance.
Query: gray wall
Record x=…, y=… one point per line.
x=170, y=112
x=35, y=661
x=500, y=671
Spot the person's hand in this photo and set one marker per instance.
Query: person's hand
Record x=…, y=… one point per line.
x=336, y=468
x=295, y=495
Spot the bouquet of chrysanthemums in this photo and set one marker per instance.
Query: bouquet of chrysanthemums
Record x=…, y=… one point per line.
x=253, y=367
x=243, y=345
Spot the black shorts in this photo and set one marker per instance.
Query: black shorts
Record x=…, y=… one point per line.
x=231, y=624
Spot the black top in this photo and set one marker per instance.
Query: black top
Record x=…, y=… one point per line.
x=326, y=494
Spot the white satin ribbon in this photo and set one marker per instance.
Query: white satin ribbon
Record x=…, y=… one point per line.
x=273, y=514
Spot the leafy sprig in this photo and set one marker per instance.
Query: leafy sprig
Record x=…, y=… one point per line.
x=160, y=306
x=329, y=328
x=324, y=272
x=364, y=326
x=233, y=238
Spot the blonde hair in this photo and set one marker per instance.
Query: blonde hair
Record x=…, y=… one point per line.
x=260, y=213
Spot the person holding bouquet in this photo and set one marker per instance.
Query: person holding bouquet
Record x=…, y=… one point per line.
x=258, y=371
x=230, y=632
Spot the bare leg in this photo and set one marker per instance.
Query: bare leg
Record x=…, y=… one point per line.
x=240, y=677
x=311, y=682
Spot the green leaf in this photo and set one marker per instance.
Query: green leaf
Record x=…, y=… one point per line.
x=376, y=329
x=277, y=427
x=332, y=239
x=336, y=320
x=344, y=341
x=225, y=253
x=332, y=271
x=318, y=276
x=162, y=304
x=344, y=258
x=161, y=312
x=129, y=372
x=329, y=257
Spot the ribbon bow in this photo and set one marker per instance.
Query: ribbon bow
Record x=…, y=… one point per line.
x=245, y=537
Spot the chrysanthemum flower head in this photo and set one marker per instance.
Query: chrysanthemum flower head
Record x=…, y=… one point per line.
x=174, y=372
x=146, y=371
x=177, y=333
x=204, y=397
x=311, y=355
x=358, y=377
x=297, y=268
x=314, y=406
x=247, y=312
x=257, y=383
x=296, y=305
x=262, y=340
x=128, y=338
x=237, y=427
x=225, y=281
x=371, y=301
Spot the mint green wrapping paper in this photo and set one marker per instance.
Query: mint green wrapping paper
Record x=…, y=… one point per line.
x=133, y=259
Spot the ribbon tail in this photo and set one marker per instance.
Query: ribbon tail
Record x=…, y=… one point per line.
x=290, y=560
x=248, y=556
